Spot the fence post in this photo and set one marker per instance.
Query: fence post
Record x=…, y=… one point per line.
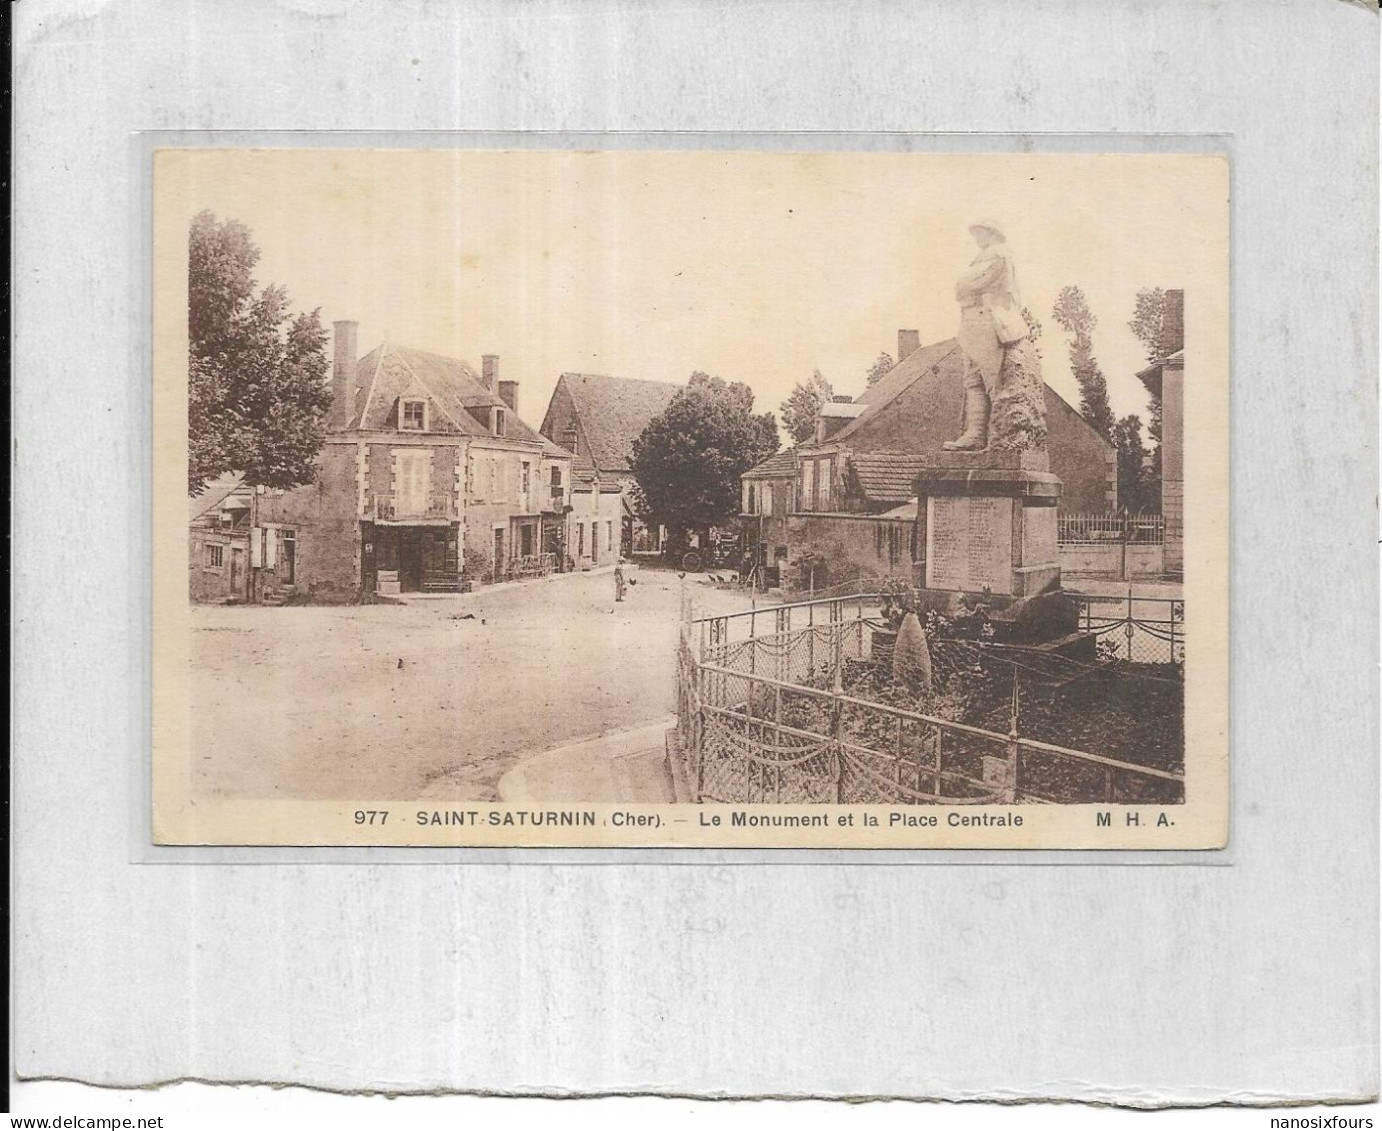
x=897, y=756
x=836, y=711
x=753, y=648
x=1129, y=629
x=698, y=731
x=837, y=638
x=1008, y=795
x=777, y=739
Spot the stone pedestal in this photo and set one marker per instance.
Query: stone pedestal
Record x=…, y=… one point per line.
x=989, y=521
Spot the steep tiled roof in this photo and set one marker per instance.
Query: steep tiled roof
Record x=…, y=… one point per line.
x=887, y=477
x=214, y=494
x=902, y=375
x=775, y=466
x=588, y=479
x=391, y=371
x=613, y=412
x=916, y=408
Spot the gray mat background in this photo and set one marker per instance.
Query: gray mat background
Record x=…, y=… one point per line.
x=1251, y=982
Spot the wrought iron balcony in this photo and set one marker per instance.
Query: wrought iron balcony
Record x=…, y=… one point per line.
x=436, y=506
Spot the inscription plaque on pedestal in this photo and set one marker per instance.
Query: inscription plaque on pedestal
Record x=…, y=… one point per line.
x=947, y=537
x=1039, y=542
x=969, y=543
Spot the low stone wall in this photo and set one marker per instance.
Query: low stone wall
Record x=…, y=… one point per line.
x=852, y=546
x=1143, y=560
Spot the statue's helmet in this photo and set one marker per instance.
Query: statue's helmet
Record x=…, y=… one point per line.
x=990, y=226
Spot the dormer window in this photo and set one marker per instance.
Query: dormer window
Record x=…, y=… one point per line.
x=412, y=416
x=497, y=421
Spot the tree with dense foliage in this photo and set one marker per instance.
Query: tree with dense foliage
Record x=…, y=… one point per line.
x=1133, y=478
x=880, y=367
x=688, y=460
x=257, y=398
x=1149, y=324
x=802, y=409
x=1073, y=315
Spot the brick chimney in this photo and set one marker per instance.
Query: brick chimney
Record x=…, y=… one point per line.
x=489, y=372
x=1173, y=323
x=344, y=354
x=508, y=393
x=908, y=342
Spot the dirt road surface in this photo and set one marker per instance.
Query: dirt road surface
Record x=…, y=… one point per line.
x=436, y=699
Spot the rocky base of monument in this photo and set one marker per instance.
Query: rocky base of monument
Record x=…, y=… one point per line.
x=1048, y=618
x=1017, y=421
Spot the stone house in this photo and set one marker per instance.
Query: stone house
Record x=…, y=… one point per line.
x=597, y=419
x=767, y=500
x=218, y=541
x=428, y=477
x=843, y=502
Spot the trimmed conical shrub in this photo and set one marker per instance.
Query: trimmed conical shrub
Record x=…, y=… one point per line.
x=911, y=656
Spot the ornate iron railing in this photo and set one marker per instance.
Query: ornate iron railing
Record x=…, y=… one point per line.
x=1103, y=529
x=1141, y=630
x=763, y=717
x=391, y=508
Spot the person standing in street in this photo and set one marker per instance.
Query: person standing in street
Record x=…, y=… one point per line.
x=619, y=580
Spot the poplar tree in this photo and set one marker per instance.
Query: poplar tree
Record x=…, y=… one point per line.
x=1073, y=315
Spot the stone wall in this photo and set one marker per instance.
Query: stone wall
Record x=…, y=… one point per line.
x=852, y=546
x=1143, y=561
x=207, y=582
x=324, y=517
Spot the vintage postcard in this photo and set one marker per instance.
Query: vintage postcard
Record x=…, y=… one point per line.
x=631, y=498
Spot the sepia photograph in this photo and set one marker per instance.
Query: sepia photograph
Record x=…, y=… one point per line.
x=699, y=498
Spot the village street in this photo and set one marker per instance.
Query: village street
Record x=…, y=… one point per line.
x=434, y=699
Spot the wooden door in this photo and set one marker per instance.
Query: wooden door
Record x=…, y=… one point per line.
x=410, y=561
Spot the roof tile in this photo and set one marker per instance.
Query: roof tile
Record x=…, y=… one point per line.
x=887, y=477
x=614, y=411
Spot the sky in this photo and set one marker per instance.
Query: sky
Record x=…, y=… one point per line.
x=756, y=267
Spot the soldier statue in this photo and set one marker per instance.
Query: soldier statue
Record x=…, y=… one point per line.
x=990, y=323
